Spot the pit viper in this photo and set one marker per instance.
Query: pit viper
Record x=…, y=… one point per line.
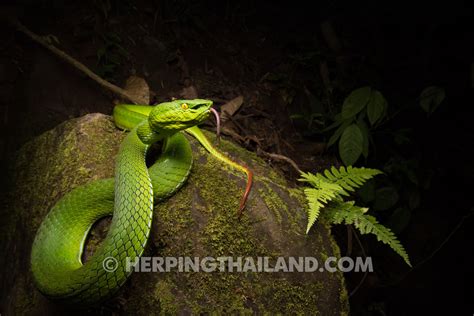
x=129, y=197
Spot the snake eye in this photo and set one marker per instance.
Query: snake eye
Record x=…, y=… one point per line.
x=184, y=106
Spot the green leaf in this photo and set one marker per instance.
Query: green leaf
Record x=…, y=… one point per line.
x=337, y=121
x=413, y=199
x=367, y=192
x=338, y=133
x=100, y=53
x=385, y=198
x=323, y=192
x=402, y=136
x=351, y=144
x=399, y=219
x=297, y=116
x=431, y=97
x=377, y=106
x=355, y=102
x=365, y=135
x=316, y=200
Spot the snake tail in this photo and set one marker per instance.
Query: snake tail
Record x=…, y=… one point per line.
x=198, y=134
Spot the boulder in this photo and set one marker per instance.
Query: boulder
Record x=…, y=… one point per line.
x=198, y=221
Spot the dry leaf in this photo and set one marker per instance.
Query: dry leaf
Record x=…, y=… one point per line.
x=229, y=109
x=139, y=89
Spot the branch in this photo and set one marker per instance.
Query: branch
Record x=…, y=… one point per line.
x=76, y=64
x=282, y=158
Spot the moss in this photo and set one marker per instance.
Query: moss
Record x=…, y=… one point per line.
x=271, y=204
x=295, y=299
x=164, y=291
x=343, y=299
x=221, y=235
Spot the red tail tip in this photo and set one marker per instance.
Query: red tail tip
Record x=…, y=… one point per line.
x=248, y=187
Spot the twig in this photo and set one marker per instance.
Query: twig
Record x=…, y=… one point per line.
x=70, y=60
x=283, y=158
x=231, y=133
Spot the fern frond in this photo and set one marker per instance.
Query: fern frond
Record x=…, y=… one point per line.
x=313, y=179
x=317, y=197
x=349, y=213
x=332, y=186
x=319, y=182
x=351, y=178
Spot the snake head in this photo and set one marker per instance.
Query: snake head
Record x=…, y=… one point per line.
x=176, y=115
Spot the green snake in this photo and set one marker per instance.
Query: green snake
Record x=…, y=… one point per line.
x=56, y=264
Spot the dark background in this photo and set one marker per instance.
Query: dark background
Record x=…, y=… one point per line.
x=278, y=56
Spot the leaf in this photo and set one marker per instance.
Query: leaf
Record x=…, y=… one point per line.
x=413, y=199
x=383, y=234
x=402, y=136
x=355, y=102
x=347, y=179
x=229, y=109
x=316, y=200
x=376, y=107
x=365, y=135
x=431, y=97
x=351, y=144
x=385, y=198
x=100, y=53
x=367, y=192
x=399, y=219
x=322, y=192
x=138, y=88
x=352, y=178
x=273, y=77
x=338, y=133
x=297, y=116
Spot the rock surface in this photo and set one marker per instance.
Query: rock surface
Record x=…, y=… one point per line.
x=199, y=221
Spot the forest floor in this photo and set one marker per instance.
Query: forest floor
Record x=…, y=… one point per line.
x=271, y=67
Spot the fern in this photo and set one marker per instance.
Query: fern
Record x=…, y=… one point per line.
x=351, y=214
x=350, y=178
x=316, y=198
x=330, y=188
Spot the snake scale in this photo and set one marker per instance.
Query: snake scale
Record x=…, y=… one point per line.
x=56, y=264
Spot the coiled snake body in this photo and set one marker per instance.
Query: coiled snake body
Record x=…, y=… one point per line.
x=56, y=253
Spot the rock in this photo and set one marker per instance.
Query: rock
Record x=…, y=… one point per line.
x=199, y=221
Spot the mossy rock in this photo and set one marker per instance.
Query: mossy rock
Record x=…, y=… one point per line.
x=199, y=221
